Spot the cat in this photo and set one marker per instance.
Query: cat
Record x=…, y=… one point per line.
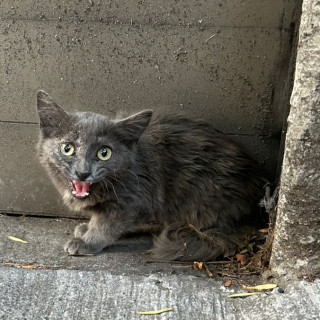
x=186, y=175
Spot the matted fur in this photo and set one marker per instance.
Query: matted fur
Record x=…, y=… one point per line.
x=182, y=173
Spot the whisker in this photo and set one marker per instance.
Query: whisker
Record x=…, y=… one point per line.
x=105, y=188
x=115, y=178
x=114, y=190
x=136, y=178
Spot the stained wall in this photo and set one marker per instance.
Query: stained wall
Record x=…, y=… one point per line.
x=226, y=61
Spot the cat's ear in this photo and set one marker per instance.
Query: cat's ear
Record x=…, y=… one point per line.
x=133, y=127
x=54, y=121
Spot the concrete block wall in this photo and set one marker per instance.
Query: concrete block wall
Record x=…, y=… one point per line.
x=226, y=61
x=295, y=251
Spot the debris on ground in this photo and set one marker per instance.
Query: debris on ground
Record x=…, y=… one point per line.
x=245, y=266
x=155, y=311
x=17, y=239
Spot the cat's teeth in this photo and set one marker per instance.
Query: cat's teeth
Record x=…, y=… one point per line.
x=73, y=192
x=86, y=194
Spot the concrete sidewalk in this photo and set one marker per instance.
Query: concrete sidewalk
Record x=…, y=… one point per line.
x=119, y=282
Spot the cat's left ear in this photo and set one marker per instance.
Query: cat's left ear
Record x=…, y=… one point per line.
x=133, y=127
x=54, y=121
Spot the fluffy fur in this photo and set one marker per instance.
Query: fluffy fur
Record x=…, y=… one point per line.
x=182, y=173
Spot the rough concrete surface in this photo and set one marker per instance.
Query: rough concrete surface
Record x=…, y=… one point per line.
x=46, y=238
x=297, y=234
x=67, y=294
x=219, y=60
x=249, y=14
x=118, y=283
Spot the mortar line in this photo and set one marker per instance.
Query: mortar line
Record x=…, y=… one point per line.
x=39, y=214
x=116, y=22
x=19, y=122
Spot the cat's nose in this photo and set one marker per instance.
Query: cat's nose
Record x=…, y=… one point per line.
x=83, y=175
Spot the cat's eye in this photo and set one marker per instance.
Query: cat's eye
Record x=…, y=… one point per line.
x=104, y=154
x=67, y=149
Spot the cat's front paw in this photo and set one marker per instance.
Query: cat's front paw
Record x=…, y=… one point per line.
x=76, y=246
x=80, y=230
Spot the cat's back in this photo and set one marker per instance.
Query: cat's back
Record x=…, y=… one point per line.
x=200, y=169
x=192, y=149
x=180, y=135
x=169, y=128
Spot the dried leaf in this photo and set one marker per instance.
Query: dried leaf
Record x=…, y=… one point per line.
x=228, y=283
x=81, y=255
x=155, y=311
x=267, y=286
x=32, y=266
x=198, y=265
x=17, y=239
x=241, y=258
x=244, y=294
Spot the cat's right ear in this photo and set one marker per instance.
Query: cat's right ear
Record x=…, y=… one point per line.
x=133, y=127
x=54, y=121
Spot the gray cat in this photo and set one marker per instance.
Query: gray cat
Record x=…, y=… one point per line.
x=197, y=183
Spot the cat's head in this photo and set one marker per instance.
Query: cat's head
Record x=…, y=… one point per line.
x=84, y=151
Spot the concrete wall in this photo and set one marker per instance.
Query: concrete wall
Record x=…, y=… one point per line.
x=297, y=234
x=226, y=61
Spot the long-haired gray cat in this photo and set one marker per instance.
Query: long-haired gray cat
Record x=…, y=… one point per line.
x=196, y=182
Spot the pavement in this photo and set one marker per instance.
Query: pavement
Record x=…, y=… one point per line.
x=119, y=282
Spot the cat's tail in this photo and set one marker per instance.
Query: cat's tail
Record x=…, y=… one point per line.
x=187, y=243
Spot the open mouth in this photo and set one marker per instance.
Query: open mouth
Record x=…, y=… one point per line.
x=80, y=189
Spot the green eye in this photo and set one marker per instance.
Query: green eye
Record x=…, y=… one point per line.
x=104, y=154
x=67, y=149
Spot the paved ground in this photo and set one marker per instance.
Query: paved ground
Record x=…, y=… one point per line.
x=120, y=282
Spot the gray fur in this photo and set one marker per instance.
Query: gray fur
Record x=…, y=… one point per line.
x=182, y=173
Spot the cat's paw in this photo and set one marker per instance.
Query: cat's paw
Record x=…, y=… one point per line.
x=81, y=229
x=76, y=246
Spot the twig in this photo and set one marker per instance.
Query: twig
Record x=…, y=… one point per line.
x=210, y=38
x=186, y=262
x=200, y=234
x=28, y=266
x=219, y=262
x=209, y=273
x=81, y=255
x=223, y=274
x=169, y=261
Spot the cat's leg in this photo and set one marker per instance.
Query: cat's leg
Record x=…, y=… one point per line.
x=81, y=229
x=103, y=230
